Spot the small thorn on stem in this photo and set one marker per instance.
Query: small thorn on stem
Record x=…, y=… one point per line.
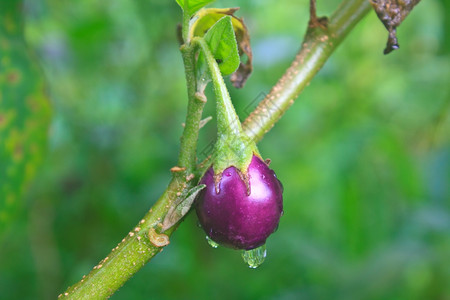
x=190, y=177
x=177, y=169
x=315, y=21
x=206, y=161
x=201, y=97
x=204, y=121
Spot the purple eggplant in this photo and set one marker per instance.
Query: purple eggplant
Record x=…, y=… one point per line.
x=238, y=209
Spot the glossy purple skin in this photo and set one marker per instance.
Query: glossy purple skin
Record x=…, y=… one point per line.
x=235, y=220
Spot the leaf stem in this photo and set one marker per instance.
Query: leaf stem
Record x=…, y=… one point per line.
x=227, y=120
x=233, y=147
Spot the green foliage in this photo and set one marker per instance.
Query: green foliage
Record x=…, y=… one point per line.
x=192, y=5
x=222, y=43
x=206, y=18
x=363, y=155
x=24, y=114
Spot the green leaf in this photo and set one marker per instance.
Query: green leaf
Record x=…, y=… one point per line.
x=193, y=5
x=24, y=114
x=222, y=43
x=181, y=207
x=207, y=17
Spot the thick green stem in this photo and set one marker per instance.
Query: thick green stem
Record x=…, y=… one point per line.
x=317, y=46
x=135, y=249
x=185, y=26
x=188, y=146
x=131, y=254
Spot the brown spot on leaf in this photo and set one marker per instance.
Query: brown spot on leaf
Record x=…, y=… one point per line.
x=9, y=23
x=18, y=152
x=13, y=77
x=32, y=104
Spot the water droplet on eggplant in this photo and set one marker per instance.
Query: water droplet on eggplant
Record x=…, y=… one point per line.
x=211, y=242
x=255, y=257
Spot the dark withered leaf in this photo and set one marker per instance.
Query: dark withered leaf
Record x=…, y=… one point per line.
x=241, y=75
x=392, y=13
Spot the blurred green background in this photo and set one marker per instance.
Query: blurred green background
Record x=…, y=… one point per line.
x=364, y=156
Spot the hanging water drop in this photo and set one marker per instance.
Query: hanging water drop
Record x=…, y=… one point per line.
x=255, y=257
x=211, y=242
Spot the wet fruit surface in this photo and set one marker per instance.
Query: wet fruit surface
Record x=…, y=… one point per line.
x=234, y=218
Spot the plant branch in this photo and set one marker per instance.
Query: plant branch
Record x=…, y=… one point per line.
x=136, y=249
x=140, y=245
x=188, y=146
x=318, y=44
